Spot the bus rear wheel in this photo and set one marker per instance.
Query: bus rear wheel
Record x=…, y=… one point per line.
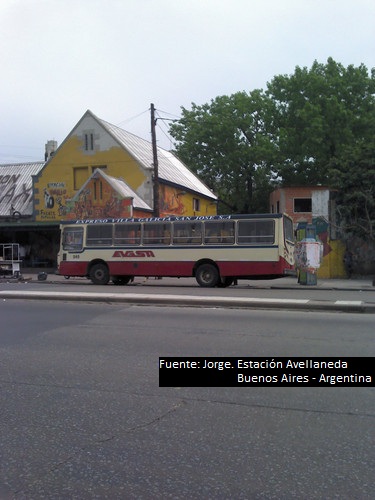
x=99, y=274
x=207, y=275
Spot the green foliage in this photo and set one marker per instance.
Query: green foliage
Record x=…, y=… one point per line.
x=320, y=113
x=316, y=126
x=354, y=177
x=228, y=145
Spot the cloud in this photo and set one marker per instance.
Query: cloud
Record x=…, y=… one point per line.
x=115, y=57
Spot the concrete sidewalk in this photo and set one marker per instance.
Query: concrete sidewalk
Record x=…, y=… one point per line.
x=282, y=283
x=126, y=294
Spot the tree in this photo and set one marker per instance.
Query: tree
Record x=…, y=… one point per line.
x=321, y=114
x=316, y=126
x=228, y=143
x=354, y=177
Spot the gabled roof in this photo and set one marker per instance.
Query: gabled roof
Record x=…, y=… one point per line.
x=16, y=187
x=171, y=169
x=120, y=186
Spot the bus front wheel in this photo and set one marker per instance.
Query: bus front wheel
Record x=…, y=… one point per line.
x=207, y=275
x=99, y=274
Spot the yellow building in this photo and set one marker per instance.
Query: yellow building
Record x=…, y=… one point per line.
x=98, y=169
x=96, y=144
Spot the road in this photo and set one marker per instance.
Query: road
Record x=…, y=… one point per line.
x=82, y=415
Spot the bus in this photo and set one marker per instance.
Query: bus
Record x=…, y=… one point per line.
x=216, y=250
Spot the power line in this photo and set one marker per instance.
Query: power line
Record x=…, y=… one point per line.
x=127, y=120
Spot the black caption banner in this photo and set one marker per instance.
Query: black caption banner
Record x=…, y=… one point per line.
x=266, y=372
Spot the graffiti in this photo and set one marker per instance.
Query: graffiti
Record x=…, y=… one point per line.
x=4, y=179
x=12, y=191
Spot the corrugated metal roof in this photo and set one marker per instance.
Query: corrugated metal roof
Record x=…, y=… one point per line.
x=171, y=169
x=16, y=187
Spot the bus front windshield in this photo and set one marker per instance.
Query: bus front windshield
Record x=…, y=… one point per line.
x=72, y=239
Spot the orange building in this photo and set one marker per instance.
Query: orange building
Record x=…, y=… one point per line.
x=314, y=205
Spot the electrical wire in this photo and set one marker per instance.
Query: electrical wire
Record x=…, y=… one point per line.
x=127, y=120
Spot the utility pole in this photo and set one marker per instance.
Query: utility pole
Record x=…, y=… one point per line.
x=155, y=163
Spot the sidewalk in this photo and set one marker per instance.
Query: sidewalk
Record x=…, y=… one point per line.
x=142, y=292
x=282, y=283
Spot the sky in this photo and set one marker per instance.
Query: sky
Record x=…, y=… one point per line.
x=59, y=58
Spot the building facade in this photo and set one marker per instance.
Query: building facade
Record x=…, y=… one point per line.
x=314, y=205
x=98, y=170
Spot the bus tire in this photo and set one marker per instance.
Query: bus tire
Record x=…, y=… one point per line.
x=121, y=280
x=99, y=274
x=207, y=275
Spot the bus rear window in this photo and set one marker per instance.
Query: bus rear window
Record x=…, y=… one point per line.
x=288, y=229
x=256, y=232
x=72, y=239
x=99, y=235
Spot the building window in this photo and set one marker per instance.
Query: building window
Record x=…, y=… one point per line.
x=302, y=205
x=196, y=204
x=80, y=176
x=89, y=141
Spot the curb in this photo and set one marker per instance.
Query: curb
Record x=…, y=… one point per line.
x=195, y=301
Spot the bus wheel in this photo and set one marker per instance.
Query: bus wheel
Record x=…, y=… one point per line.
x=225, y=282
x=207, y=275
x=121, y=280
x=99, y=274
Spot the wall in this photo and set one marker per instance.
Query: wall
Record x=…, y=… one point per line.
x=333, y=250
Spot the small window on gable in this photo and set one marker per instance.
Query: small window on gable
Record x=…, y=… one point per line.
x=88, y=139
x=302, y=205
x=196, y=204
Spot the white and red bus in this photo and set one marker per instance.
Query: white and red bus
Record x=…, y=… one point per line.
x=216, y=250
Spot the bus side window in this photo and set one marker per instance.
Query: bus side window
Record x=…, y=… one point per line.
x=127, y=234
x=156, y=234
x=219, y=232
x=99, y=235
x=256, y=232
x=187, y=233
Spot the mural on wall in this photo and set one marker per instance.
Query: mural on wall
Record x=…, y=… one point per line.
x=171, y=201
x=98, y=200
x=54, y=201
x=321, y=226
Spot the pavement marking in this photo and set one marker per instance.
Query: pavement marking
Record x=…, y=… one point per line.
x=349, y=302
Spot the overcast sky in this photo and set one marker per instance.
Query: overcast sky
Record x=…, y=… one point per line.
x=59, y=58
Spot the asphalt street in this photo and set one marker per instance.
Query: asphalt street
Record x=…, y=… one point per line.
x=83, y=417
